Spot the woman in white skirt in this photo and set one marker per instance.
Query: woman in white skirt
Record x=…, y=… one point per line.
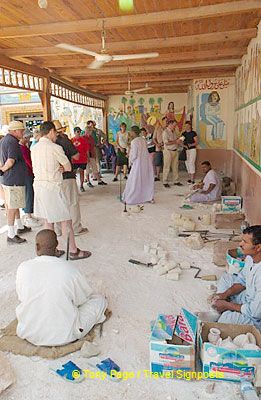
x=190, y=142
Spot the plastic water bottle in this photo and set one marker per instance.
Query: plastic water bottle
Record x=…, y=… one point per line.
x=248, y=391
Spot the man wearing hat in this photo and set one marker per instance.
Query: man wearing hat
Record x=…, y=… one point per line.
x=69, y=185
x=13, y=169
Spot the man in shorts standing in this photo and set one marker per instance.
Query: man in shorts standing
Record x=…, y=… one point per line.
x=13, y=170
x=69, y=185
x=50, y=203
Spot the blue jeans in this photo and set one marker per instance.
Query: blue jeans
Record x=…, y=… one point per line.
x=29, y=195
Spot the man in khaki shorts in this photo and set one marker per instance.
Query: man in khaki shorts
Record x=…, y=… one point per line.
x=13, y=169
x=50, y=203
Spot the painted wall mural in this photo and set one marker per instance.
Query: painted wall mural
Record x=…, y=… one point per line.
x=72, y=114
x=210, y=124
x=248, y=104
x=144, y=111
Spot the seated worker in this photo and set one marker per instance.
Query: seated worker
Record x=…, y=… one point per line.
x=57, y=306
x=238, y=298
x=210, y=188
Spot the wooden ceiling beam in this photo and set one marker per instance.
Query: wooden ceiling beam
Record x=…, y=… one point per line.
x=157, y=77
x=95, y=24
x=135, y=84
x=139, y=45
x=138, y=85
x=22, y=67
x=149, y=68
x=175, y=89
x=181, y=56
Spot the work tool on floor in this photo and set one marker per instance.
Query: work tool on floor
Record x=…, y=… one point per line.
x=68, y=246
x=141, y=263
x=204, y=277
x=208, y=236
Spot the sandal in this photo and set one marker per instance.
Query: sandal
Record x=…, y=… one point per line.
x=77, y=256
x=59, y=253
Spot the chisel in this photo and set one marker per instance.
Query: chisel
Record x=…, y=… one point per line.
x=141, y=263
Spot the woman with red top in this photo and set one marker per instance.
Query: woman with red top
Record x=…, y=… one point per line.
x=83, y=148
x=29, y=180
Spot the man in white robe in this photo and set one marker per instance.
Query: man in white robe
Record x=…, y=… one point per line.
x=140, y=184
x=210, y=188
x=57, y=306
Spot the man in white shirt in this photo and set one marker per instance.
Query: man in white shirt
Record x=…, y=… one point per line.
x=57, y=306
x=239, y=297
x=170, y=154
x=210, y=188
x=50, y=203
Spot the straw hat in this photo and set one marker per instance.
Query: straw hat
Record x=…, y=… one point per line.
x=58, y=125
x=15, y=125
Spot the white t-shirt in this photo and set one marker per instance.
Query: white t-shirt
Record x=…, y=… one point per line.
x=211, y=177
x=123, y=139
x=46, y=160
x=50, y=291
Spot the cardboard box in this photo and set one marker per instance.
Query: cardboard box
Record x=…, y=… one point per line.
x=226, y=364
x=220, y=249
x=172, y=344
x=231, y=203
x=224, y=220
x=235, y=261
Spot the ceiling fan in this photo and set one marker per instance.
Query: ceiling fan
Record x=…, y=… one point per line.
x=102, y=57
x=130, y=92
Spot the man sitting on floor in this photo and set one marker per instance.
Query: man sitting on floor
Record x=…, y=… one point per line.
x=210, y=188
x=57, y=306
x=239, y=297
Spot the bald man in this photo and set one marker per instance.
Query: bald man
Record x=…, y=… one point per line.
x=57, y=306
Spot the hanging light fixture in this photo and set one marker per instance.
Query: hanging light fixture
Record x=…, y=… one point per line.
x=126, y=5
x=42, y=3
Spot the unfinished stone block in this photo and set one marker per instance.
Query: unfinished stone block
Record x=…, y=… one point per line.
x=228, y=220
x=173, y=276
x=189, y=225
x=206, y=219
x=194, y=241
x=184, y=265
x=220, y=250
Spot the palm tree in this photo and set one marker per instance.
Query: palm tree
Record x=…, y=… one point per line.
x=132, y=101
x=124, y=101
x=159, y=100
x=151, y=103
x=141, y=101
